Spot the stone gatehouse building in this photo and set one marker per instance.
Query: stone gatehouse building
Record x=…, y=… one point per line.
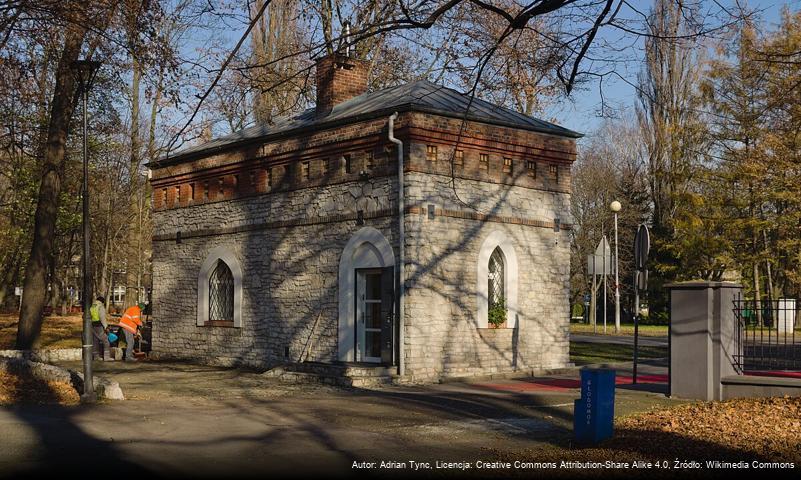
x=285, y=243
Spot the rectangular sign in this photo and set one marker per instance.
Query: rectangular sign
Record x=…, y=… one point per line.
x=597, y=266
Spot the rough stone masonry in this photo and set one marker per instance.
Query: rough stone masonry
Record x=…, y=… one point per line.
x=284, y=201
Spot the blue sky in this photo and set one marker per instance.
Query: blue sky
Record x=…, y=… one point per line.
x=581, y=112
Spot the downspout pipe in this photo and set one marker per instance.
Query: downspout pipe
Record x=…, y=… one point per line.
x=401, y=247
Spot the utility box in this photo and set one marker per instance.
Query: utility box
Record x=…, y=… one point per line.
x=594, y=412
x=786, y=315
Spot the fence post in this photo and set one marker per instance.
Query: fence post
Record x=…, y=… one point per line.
x=702, y=338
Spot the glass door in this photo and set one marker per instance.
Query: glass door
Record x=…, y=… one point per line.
x=368, y=316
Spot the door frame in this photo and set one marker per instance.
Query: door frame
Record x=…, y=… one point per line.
x=367, y=248
x=359, y=310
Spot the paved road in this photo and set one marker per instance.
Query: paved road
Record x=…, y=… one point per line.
x=619, y=339
x=187, y=420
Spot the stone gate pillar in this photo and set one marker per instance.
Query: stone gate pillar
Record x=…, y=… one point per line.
x=702, y=337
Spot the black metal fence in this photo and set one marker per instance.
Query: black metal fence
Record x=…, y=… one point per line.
x=767, y=335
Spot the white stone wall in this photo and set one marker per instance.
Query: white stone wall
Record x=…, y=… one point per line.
x=289, y=274
x=441, y=334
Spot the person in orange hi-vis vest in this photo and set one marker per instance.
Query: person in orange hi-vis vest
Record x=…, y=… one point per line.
x=130, y=322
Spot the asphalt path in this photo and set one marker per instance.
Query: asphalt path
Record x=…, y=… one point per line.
x=182, y=420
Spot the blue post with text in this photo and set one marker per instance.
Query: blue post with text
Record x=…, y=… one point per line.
x=594, y=412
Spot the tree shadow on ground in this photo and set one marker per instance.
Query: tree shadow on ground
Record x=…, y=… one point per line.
x=60, y=443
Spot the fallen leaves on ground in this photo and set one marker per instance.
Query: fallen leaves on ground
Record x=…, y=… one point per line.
x=768, y=428
x=742, y=430
x=20, y=387
x=57, y=332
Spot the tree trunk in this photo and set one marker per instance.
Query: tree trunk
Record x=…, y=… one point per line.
x=327, y=19
x=135, y=162
x=35, y=286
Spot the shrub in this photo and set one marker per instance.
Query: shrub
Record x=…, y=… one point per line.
x=497, y=312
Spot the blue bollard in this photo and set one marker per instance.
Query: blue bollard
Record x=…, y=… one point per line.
x=594, y=413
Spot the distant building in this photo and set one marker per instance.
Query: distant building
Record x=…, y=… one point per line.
x=280, y=243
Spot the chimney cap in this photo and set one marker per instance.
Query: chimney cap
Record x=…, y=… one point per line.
x=346, y=38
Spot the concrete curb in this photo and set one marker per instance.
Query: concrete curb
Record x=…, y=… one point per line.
x=104, y=388
x=750, y=386
x=527, y=373
x=45, y=356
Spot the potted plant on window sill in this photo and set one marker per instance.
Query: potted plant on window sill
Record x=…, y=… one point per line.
x=497, y=314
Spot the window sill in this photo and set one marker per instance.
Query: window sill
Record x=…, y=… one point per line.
x=219, y=323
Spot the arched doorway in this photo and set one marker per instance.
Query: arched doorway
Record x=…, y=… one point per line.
x=366, y=299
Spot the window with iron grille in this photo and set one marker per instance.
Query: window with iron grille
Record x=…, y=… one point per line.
x=324, y=166
x=496, y=281
x=192, y=191
x=221, y=293
x=507, y=165
x=483, y=161
x=305, y=168
x=531, y=165
x=205, y=190
x=269, y=177
x=458, y=157
x=348, y=166
x=369, y=160
x=431, y=153
x=554, y=171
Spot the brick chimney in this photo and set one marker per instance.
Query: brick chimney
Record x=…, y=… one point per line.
x=339, y=78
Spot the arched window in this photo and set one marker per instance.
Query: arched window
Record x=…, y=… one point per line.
x=496, y=280
x=219, y=289
x=221, y=293
x=496, y=274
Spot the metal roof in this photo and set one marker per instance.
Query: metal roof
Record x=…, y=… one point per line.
x=420, y=96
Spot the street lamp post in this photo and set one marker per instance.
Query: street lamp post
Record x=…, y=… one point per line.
x=615, y=207
x=85, y=71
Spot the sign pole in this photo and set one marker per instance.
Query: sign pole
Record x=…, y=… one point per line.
x=636, y=323
x=642, y=244
x=594, y=303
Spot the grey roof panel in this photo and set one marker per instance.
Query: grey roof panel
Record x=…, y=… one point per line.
x=416, y=96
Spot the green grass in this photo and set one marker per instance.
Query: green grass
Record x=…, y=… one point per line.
x=625, y=329
x=582, y=353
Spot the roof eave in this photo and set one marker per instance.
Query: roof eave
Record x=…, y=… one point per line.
x=181, y=158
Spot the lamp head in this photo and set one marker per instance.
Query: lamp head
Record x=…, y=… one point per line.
x=85, y=71
x=615, y=206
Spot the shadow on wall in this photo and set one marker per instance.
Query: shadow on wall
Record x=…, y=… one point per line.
x=460, y=296
x=297, y=284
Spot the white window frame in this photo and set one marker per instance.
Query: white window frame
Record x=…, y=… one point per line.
x=497, y=239
x=225, y=254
